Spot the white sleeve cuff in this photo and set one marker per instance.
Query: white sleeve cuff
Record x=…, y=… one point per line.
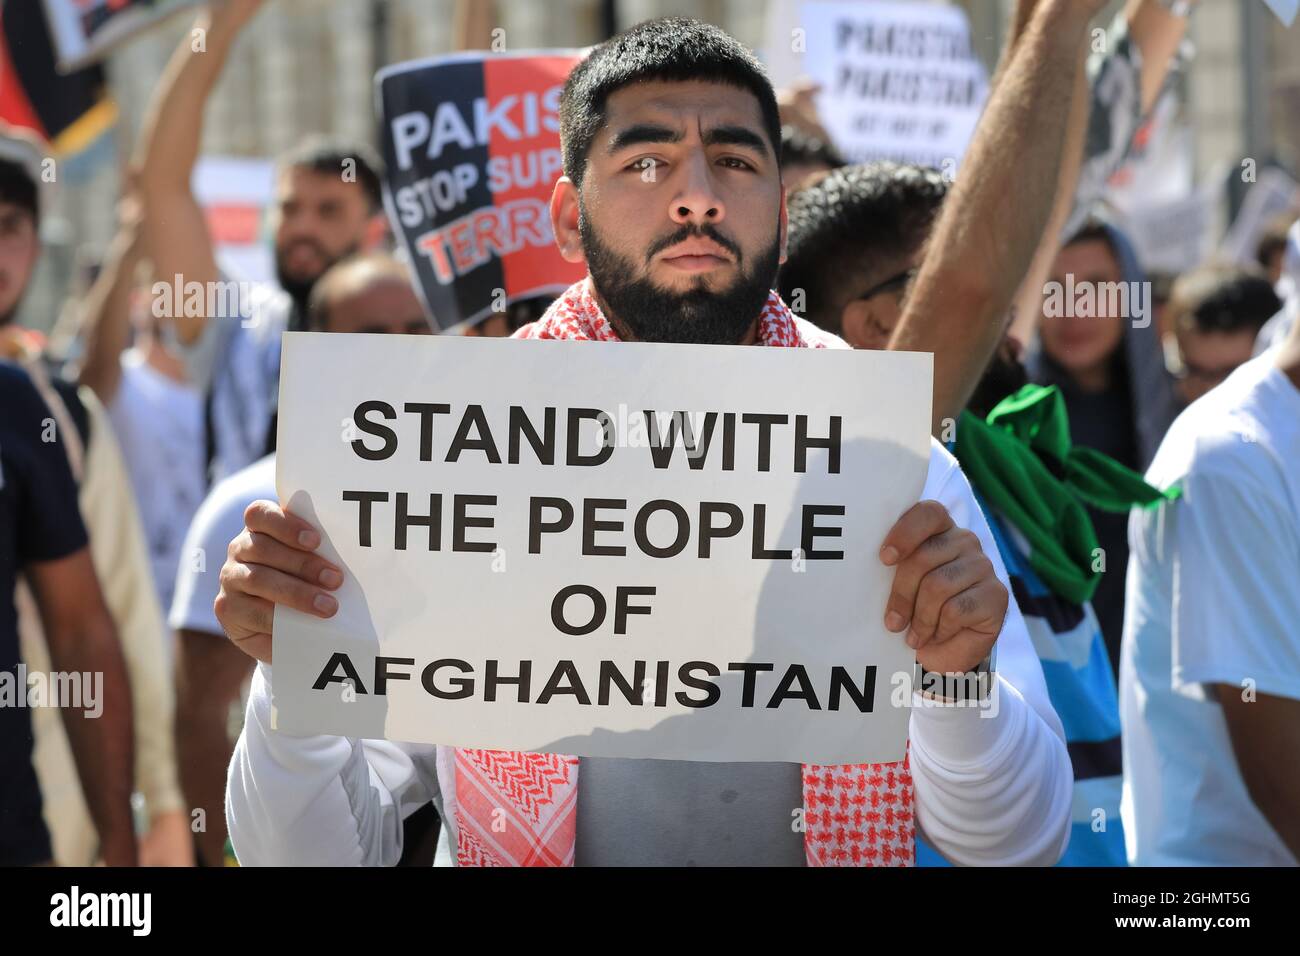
x=993, y=785
x=967, y=735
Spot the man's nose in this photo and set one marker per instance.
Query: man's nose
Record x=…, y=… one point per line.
x=697, y=202
x=299, y=224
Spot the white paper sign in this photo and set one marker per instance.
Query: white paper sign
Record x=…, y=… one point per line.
x=594, y=590
x=899, y=80
x=1272, y=195
x=85, y=31
x=235, y=193
x=1173, y=237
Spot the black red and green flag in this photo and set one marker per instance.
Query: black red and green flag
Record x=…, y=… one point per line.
x=71, y=111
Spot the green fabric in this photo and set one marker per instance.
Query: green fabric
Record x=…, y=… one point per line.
x=1021, y=460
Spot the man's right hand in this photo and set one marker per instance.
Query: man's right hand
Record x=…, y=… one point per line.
x=272, y=561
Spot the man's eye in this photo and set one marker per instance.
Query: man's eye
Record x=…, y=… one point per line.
x=735, y=163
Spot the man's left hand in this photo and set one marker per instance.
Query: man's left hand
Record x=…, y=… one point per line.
x=946, y=595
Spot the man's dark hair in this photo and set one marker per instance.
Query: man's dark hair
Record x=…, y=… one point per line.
x=1222, y=298
x=801, y=148
x=325, y=154
x=671, y=49
x=19, y=188
x=851, y=227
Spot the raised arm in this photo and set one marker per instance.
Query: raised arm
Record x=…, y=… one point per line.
x=993, y=220
x=175, y=228
x=105, y=317
x=1157, y=32
x=472, y=22
x=1028, y=300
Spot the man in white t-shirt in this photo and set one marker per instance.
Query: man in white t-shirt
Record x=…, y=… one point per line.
x=1210, y=667
x=159, y=424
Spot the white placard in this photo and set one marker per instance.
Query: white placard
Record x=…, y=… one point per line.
x=235, y=193
x=779, y=656
x=1272, y=195
x=1173, y=237
x=899, y=80
x=85, y=31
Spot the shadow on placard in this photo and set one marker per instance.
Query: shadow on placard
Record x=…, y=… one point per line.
x=669, y=735
x=352, y=631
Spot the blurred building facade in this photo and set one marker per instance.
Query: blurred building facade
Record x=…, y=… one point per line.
x=307, y=66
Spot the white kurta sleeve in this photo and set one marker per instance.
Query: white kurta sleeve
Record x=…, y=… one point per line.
x=320, y=800
x=993, y=786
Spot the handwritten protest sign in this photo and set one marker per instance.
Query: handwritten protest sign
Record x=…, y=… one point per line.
x=899, y=80
x=472, y=146
x=625, y=550
x=86, y=30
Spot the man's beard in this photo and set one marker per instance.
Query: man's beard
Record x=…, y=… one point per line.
x=698, y=316
x=1004, y=376
x=300, y=289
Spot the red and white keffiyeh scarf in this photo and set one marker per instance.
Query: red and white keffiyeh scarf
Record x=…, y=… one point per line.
x=520, y=809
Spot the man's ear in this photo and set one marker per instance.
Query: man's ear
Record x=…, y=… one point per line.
x=564, y=220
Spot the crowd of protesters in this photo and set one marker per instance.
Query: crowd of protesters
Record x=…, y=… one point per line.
x=1135, y=471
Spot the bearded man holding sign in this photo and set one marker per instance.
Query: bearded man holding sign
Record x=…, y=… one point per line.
x=673, y=199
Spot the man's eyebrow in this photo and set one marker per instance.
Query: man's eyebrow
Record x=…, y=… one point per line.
x=735, y=136
x=641, y=133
